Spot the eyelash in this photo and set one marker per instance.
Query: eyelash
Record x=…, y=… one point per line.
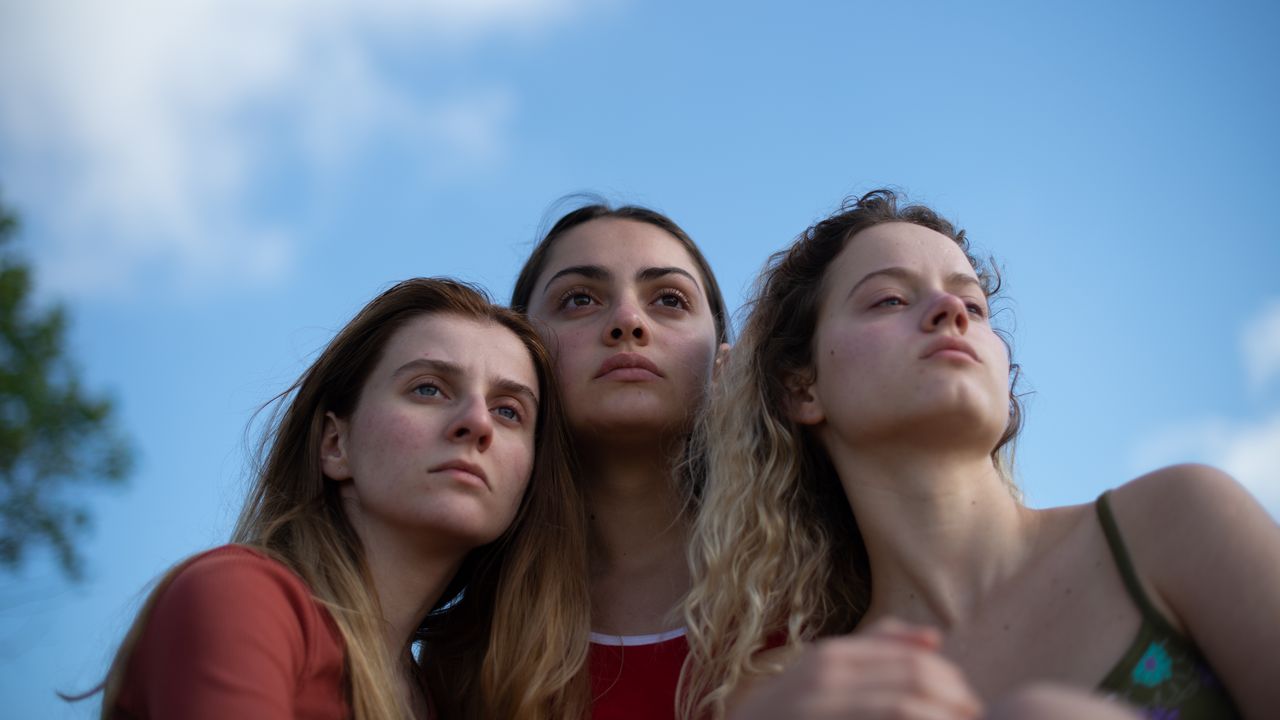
x=973, y=307
x=516, y=410
x=668, y=292
x=519, y=416
x=564, y=302
x=566, y=298
x=432, y=385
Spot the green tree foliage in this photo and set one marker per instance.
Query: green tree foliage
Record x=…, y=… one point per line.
x=53, y=435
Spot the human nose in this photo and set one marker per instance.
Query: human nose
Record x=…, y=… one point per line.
x=945, y=311
x=472, y=424
x=626, y=323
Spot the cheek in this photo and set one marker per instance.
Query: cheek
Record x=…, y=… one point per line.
x=569, y=354
x=519, y=459
x=381, y=439
x=848, y=355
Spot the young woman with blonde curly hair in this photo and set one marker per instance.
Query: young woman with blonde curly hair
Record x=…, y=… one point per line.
x=411, y=546
x=858, y=449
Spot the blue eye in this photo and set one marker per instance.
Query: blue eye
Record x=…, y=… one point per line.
x=427, y=390
x=890, y=302
x=977, y=310
x=508, y=412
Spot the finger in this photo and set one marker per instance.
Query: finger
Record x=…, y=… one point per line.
x=892, y=628
x=871, y=665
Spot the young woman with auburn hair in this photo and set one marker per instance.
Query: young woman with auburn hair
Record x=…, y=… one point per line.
x=858, y=452
x=636, y=325
x=410, y=546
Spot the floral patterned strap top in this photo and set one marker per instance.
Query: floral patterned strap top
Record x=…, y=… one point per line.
x=1163, y=672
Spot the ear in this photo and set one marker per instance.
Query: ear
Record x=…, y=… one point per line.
x=333, y=448
x=802, y=404
x=722, y=355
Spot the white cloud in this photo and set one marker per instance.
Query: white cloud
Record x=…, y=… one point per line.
x=134, y=120
x=1248, y=450
x=1260, y=344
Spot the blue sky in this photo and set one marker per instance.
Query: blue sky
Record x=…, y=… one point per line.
x=214, y=187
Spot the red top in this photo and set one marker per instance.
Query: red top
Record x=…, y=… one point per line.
x=635, y=676
x=235, y=635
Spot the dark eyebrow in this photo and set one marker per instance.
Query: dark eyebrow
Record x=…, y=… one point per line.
x=906, y=275
x=591, y=272
x=451, y=369
x=654, y=273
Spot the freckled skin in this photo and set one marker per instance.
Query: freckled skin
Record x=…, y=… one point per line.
x=408, y=423
x=869, y=344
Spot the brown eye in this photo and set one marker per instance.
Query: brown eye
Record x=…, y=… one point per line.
x=672, y=298
x=576, y=298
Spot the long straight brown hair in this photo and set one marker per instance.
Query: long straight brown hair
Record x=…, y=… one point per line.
x=509, y=636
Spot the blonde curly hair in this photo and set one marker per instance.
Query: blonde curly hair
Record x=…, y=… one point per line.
x=775, y=549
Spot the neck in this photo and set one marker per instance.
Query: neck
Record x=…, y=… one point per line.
x=634, y=503
x=639, y=538
x=409, y=579
x=941, y=528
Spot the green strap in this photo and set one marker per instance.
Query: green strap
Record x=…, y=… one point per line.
x=1125, y=565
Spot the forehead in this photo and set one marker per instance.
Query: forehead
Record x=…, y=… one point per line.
x=898, y=244
x=480, y=347
x=622, y=246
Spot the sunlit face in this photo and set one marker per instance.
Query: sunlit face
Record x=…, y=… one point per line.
x=904, y=346
x=630, y=327
x=440, y=444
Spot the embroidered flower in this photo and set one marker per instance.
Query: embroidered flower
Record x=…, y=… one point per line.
x=1154, y=667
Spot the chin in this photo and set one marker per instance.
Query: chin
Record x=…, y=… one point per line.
x=629, y=414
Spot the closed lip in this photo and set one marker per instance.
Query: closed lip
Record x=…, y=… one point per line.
x=944, y=344
x=463, y=466
x=627, y=360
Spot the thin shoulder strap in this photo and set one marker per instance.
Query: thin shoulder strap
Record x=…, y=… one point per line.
x=1124, y=564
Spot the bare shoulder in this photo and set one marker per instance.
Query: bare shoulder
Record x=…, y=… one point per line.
x=1179, y=497
x=1212, y=554
x=1188, y=527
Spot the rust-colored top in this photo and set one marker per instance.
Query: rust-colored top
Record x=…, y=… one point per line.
x=235, y=635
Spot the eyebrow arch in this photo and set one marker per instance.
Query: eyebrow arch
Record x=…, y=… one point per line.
x=654, y=273
x=906, y=275
x=452, y=369
x=596, y=272
x=591, y=272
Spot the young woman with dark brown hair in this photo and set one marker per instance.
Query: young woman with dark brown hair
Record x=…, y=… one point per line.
x=636, y=325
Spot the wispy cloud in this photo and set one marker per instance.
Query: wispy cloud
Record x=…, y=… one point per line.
x=139, y=120
x=1260, y=345
x=1249, y=449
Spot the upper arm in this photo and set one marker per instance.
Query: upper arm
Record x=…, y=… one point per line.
x=1212, y=555
x=224, y=639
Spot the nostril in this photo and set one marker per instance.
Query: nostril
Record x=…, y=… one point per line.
x=616, y=333
x=636, y=333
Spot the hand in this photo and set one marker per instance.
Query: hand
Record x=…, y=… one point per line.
x=1042, y=701
x=890, y=670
